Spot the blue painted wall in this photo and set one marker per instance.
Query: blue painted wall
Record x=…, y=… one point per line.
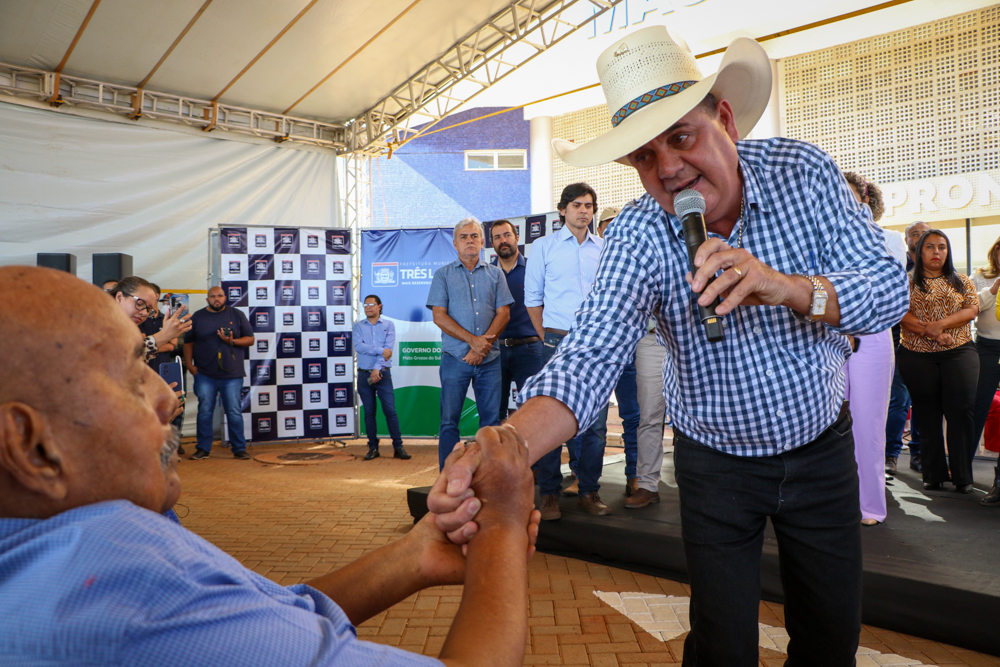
x=425, y=184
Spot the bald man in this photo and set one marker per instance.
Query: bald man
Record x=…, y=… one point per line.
x=214, y=351
x=92, y=573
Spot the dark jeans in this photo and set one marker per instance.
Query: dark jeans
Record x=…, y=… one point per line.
x=989, y=379
x=517, y=364
x=628, y=409
x=811, y=495
x=943, y=384
x=895, y=420
x=383, y=390
x=207, y=389
x=455, y=377
x=590, y=446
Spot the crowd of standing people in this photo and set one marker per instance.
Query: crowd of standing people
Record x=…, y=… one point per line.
x=940, y=373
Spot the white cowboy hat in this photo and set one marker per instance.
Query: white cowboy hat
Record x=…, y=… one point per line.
x=651, y=80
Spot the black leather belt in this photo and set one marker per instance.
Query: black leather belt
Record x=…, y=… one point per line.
x=512, y=342
x=556, y=331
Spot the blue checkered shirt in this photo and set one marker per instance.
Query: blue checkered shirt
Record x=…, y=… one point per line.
x=113, y=584
x=472, y=299
x=774, y=383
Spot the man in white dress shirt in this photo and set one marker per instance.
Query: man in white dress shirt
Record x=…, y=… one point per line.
x=560, y=275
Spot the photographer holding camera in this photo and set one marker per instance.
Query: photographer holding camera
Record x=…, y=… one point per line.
x=214, y=351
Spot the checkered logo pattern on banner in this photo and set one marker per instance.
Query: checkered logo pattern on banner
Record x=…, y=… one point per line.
x=293, y=284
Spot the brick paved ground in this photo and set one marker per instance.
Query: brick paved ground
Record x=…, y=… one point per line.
x=291, y=523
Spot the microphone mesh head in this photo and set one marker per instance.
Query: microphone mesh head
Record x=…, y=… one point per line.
x=688, y=201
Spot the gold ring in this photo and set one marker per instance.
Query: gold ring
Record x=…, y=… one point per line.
x=738, y=272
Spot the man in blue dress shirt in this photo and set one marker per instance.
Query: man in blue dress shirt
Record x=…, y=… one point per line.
x=91, y=573
x=520, y=347
x=562, y=271
x=374, y=339
x=761, y=430
x=471, y=305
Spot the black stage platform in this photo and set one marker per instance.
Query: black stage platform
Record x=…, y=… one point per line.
x=931, y=570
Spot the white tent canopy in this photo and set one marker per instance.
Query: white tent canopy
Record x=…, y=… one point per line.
x=85, y=186
x=124, y=40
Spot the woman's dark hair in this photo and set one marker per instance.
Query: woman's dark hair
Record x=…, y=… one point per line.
x=128, y=286
x=867, y=190
x=947, y=270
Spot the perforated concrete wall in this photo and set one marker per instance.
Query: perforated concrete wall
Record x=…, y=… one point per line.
x=615, y=183
x=919, y=103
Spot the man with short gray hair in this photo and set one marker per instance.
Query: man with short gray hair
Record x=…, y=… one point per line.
x=471, y=305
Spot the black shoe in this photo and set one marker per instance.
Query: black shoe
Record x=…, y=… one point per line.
x=242, y=455
x=890, y=465
x=400, y=453
x=964, y=488
x=372, y=454
x=180, y=451
x=198, y=455
x=932, y=486
x=915, y=463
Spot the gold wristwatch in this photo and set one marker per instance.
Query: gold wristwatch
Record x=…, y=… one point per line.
x=817, y=307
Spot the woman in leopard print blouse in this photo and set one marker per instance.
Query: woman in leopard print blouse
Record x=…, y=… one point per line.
x=939, y=363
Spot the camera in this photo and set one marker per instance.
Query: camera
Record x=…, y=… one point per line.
x=227, y=332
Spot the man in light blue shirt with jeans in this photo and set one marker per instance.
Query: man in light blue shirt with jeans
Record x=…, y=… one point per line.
x=471, y=305
x=373, y=340
x=559, y=277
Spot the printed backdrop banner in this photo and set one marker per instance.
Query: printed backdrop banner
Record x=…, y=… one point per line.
x=294, y=285
x=398, y=266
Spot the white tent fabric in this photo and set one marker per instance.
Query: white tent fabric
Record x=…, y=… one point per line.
x=84, y=186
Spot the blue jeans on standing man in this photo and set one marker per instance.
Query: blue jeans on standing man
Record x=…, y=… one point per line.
x=206, y=389
x=455, y=378
x=590, y=444
x=627, y=392
x=517, y=364
x=895, y=423
x=382, y=389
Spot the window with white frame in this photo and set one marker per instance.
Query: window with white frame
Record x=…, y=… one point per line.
x=496, y=160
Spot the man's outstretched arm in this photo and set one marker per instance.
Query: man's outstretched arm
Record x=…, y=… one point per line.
x=390, y=574
x=494, y=573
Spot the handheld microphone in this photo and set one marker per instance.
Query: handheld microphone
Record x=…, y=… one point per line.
x=689, y=206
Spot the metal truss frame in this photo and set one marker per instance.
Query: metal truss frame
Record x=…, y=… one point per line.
x=500, y=45
x=135, y=103
x=507, y=40
x=357, y=199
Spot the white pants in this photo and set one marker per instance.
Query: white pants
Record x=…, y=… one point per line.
x=652, y=410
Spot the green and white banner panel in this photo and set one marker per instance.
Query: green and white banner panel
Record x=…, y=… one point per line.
x=398, y=266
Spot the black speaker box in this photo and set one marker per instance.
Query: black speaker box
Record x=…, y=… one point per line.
x=111, y=266
x=58, y=260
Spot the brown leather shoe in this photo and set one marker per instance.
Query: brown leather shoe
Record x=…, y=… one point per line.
x=641, y=498
x=573, y=489
x=550, y=508
x=631, y=486
x=591, y=504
